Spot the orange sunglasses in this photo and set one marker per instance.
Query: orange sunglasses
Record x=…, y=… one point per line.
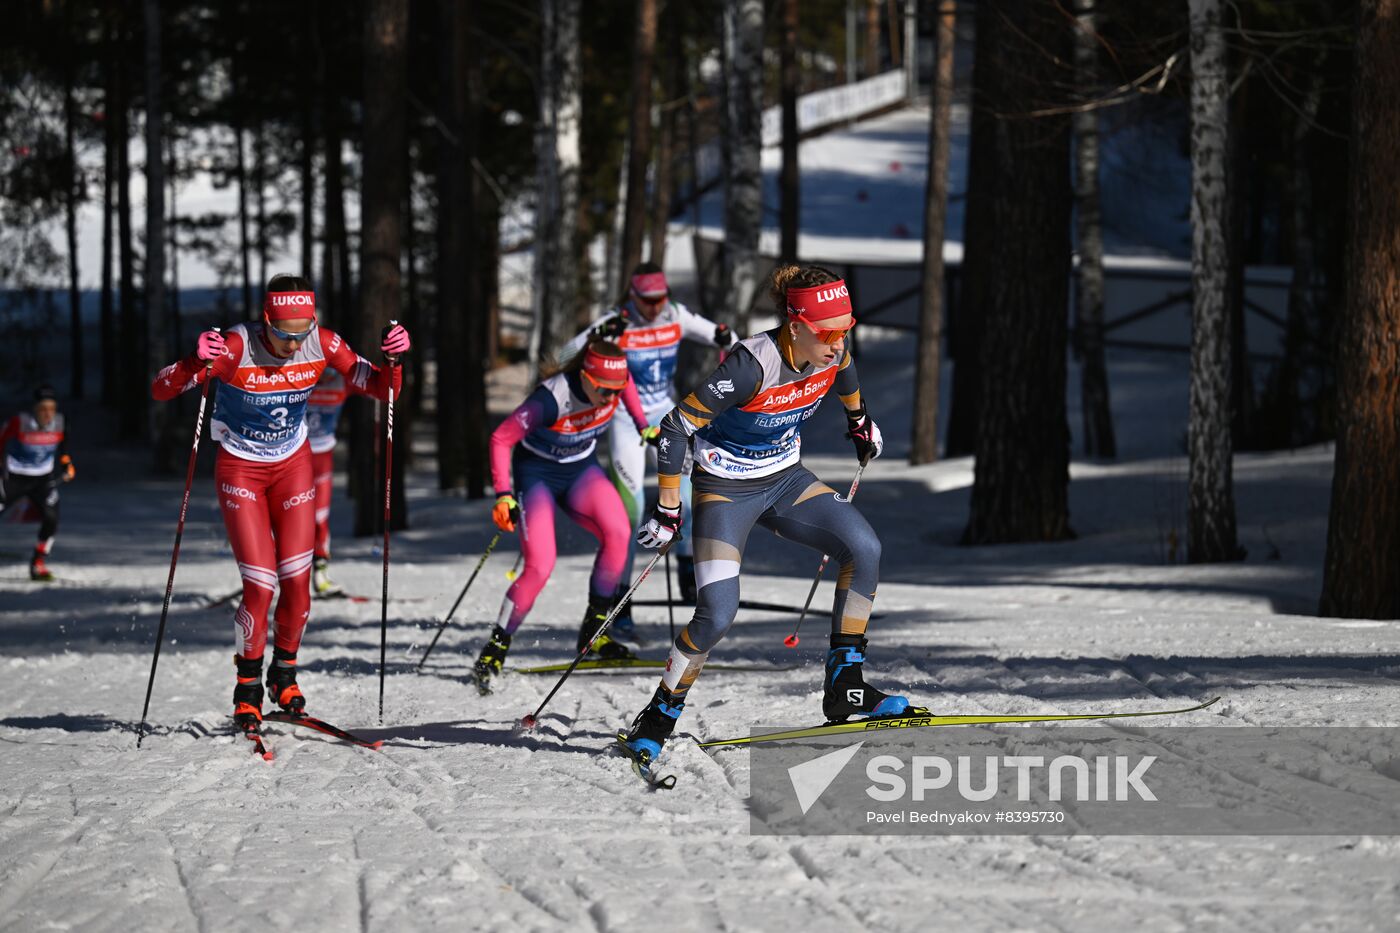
x=826, y=335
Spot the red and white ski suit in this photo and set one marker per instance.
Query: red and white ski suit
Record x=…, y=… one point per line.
x=263, y=474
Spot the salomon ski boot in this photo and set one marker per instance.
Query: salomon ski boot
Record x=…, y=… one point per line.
x=846, y=693
x=653, y=725
x=493, y=656
x=282, y=682
x=605, y=647
x=248, y=694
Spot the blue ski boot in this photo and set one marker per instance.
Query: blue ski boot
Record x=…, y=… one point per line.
x=846, y=693
x=653, y=726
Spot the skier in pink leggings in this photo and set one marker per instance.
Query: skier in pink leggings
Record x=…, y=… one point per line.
x=547, y=445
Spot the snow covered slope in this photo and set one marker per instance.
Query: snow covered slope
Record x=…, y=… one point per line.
x=461, y=822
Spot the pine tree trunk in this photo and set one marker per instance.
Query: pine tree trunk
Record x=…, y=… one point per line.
x=1300, y=426
x=556, y=278
x=872, y=38
x=75, y=189
x=1099, y=439
x=1021, y=480
x=241, y=174
x=1210, y=531
x=967, y=320
x=336, y=286
x=307, y=70
x=639, y=147
x=1238, y=235
x=130, y=419
x=260, y=198
x=483, y=256
x=381, y=226
x=172, y=226
x=453, y=223
x=923, y=447
x=110, y=368
x=789, y=182
x=661, y=193
x=1363, y=530
x=155, y=348
x=743, y=142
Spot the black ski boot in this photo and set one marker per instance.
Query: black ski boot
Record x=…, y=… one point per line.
x=493, y=656
x=605, y=648
x=846, y=693
x=685, y=573
x=282, y=682
x=248, y=694
x=653, y=726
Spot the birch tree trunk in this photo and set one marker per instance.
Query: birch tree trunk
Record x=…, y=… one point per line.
x=923, y=447
x=743, y=141
x=1089, y=294
x=1363, y=530
x=1210, y=520
x=556, y=298
x=381, y=225
x=639, y=146
x=1021, y=478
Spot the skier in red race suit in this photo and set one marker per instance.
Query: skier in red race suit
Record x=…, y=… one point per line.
x=263, y=473
x=36, y=461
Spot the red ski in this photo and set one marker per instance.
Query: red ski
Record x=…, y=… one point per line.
x=321, y=726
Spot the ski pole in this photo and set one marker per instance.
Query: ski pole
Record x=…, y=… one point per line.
x=514, y=572
x=175, y=552
x=443, y=625
x=530, y=721
x=670, y=604
x=388, y=480
x=792, y=640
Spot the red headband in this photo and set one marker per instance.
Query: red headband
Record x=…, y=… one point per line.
x=607, y=371
x=289, y=306
x=820, y=302
x=650, y=284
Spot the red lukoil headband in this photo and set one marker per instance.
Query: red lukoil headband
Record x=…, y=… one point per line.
x=607, y=371
x=820, y=302
x=650, y=284
x=289, y=306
